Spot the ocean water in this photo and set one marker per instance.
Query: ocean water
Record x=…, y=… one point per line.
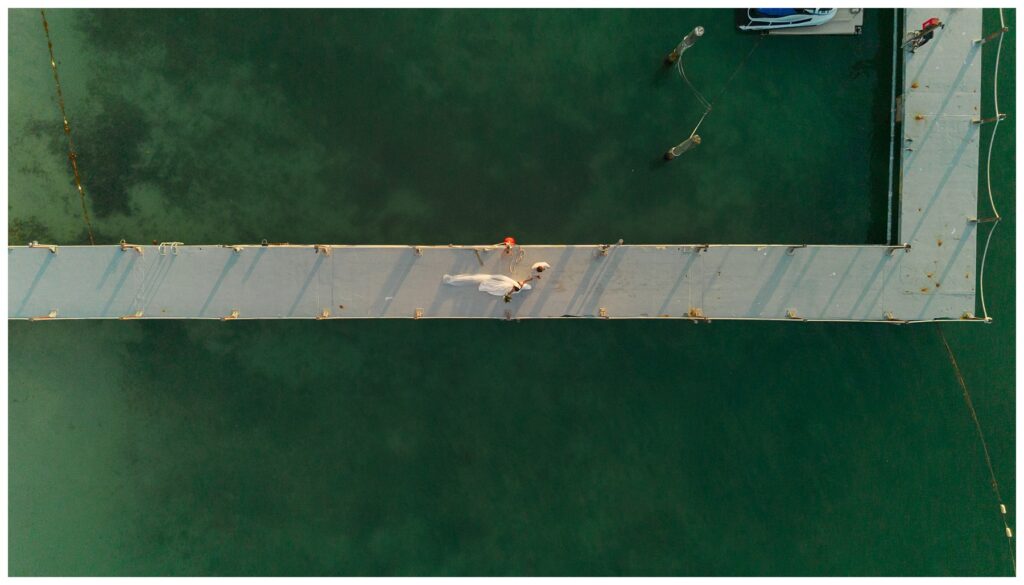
x=486, y=448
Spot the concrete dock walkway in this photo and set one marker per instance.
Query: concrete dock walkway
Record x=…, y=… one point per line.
x=932, y=277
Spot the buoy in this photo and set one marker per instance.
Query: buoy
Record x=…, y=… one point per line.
x=510, y=243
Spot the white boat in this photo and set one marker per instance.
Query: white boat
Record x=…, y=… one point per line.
x=775, y=18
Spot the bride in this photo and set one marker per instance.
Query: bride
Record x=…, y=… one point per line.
x=498, y=285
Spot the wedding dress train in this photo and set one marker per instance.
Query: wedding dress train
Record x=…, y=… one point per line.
x=498, y=285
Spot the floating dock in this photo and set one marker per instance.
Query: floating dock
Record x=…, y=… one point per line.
x=929, y=276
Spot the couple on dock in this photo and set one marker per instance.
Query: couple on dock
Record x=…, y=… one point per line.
x=498, y=285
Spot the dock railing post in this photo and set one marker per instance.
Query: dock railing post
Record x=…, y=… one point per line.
x=126, y=246
x=172, y=246
x=892, y=249
x=51, y=247
x=603, y=249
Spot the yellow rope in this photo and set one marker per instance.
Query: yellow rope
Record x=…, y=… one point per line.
x=1007, y=531
x=72, y=155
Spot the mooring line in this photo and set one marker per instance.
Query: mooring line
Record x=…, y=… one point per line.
x=988, y=168
x=984, y=446
x=708, y=105
x=72, y=155
x=737, y=69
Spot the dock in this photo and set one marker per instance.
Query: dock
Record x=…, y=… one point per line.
x=930, y=274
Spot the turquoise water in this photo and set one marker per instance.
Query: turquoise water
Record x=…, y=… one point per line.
x=571, y=447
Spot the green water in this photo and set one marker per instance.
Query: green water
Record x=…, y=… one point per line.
x=467, y=448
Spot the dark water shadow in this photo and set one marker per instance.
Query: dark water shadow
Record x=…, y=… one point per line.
x=663, y=74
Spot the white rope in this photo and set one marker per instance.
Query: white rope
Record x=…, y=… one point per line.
x=516, y=259
x=682, y=73
x=988, y=169
x=695, y=128
x=981, y=280
x=700, y=97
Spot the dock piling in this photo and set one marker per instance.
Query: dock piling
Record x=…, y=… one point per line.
x=688, y=41
x=689, y=144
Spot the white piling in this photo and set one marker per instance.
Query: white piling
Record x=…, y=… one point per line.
x=688, y=41
x=692, y=142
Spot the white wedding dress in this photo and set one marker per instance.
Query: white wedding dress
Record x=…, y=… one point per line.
x=498, y=285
